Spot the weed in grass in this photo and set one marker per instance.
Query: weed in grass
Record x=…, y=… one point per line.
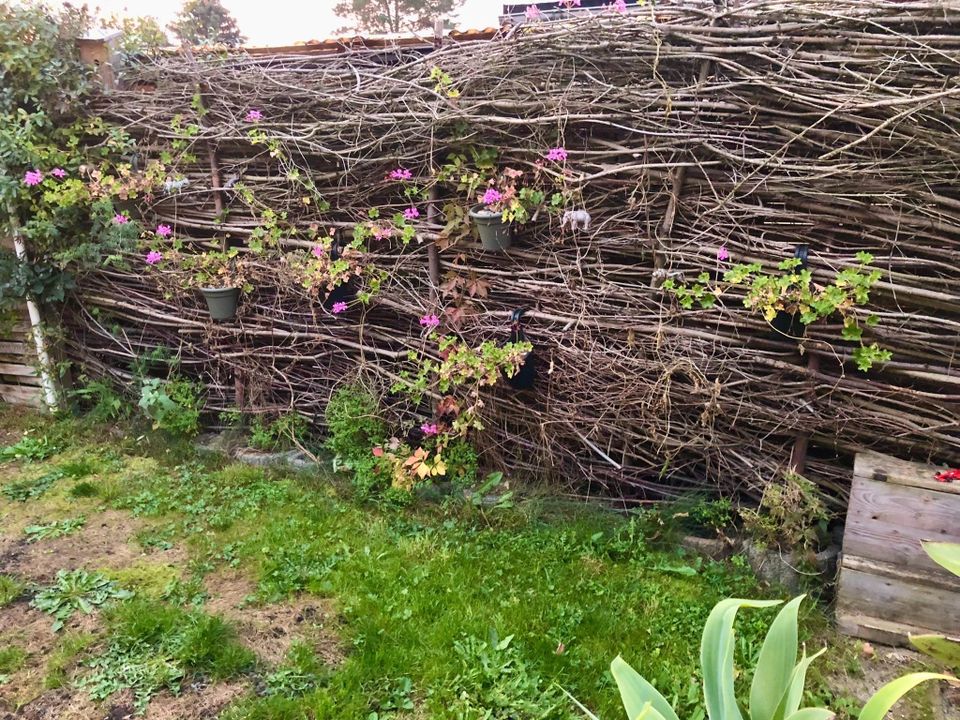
x=10, y=589
x=393, y=696
x=495, y=682
x=64, y=658
x=77, y=590
x=55, y=529
x=154, y=646
x=275, y=707
x=24, y=490
x=301, y=673
x=83, y=490
x=30, y=449
x=12, y=658
x=185, y=592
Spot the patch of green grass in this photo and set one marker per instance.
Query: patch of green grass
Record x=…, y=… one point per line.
x=64, y=657
x=154, y=646
x=143, y=578
x=84, y=489
x=10, y=589
x=55, y=529
x=77, y=590
x=12, y=658
x=300, y=673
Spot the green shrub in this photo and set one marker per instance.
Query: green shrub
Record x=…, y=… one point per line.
x=102, y=402
x=283, y=433
x=353, y=422
x=173, y=405
x=791, y=515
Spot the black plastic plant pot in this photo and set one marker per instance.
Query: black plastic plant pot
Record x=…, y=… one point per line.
x=494, y=232
x=222, y=302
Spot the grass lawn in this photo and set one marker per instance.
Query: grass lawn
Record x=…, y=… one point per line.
x=188, y=586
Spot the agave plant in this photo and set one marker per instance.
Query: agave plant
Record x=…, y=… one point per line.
x=777, y=689
x=947, y=651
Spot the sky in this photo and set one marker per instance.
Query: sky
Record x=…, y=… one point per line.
x=282, y=22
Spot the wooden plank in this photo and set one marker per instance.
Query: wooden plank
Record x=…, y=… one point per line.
x=24, y=380
x=941, y=579
x=17, y=369
x=882, y=468
x=21, y=395
x=10, y=347
x=877, y=630
x=886, y=522
x=898, y=601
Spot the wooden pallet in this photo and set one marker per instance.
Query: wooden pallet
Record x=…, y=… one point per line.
x=889, y=589
x=19, y=380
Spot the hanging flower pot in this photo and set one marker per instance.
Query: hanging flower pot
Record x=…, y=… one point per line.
x=222, y=302
x=495, y=234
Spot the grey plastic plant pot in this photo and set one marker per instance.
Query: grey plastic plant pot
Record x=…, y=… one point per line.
x=222, y=302
x=494, y=232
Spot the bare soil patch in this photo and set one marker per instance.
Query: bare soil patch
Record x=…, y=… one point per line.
x=269, y=630
x=104, y=542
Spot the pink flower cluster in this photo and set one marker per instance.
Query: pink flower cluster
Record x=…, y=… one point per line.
x=430, y=429
x=400, y=174
x=411, y=213
x=430, y=321
x=59, y=173
x=318, y=251
x=723, y=254
x=339, y=307
x=32, y=177
x=164, y=231
x=153, y=257
x=620, y=6
x=491, y=196
x=253, y=116
x=533, y=12
x=557, y=154
x=120, y=219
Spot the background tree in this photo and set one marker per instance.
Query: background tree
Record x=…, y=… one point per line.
x=140, y=34
x=206, y=22
x=393, y=16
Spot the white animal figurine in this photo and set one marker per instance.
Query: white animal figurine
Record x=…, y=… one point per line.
x=577, y=219
x=171, y=186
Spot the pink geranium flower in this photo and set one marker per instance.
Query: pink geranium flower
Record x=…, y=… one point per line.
x=411, y=213
x=59, y=173
x=620, y=6
x=254, y=116
x=32, y=177
x=164, y=231
x=533, y=12
x=723, y=254
x=153, y=257
x=430, y=321
x=339, y=307
x=400, y=174
x=557, y=154
x=491, y=196
x=121, y=219
x=318, y=251
x=430, y=429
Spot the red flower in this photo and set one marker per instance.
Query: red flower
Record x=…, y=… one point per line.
x=378, y=451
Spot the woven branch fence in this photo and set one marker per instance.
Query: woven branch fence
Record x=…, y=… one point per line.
x=689, y=127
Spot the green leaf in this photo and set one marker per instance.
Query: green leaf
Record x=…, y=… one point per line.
x=638, y=695
x=716, y=657
x=790, y=703
x=813, y=714
x=946, y=555
x=885, y=698
x=775, y=663
x=938, y=647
